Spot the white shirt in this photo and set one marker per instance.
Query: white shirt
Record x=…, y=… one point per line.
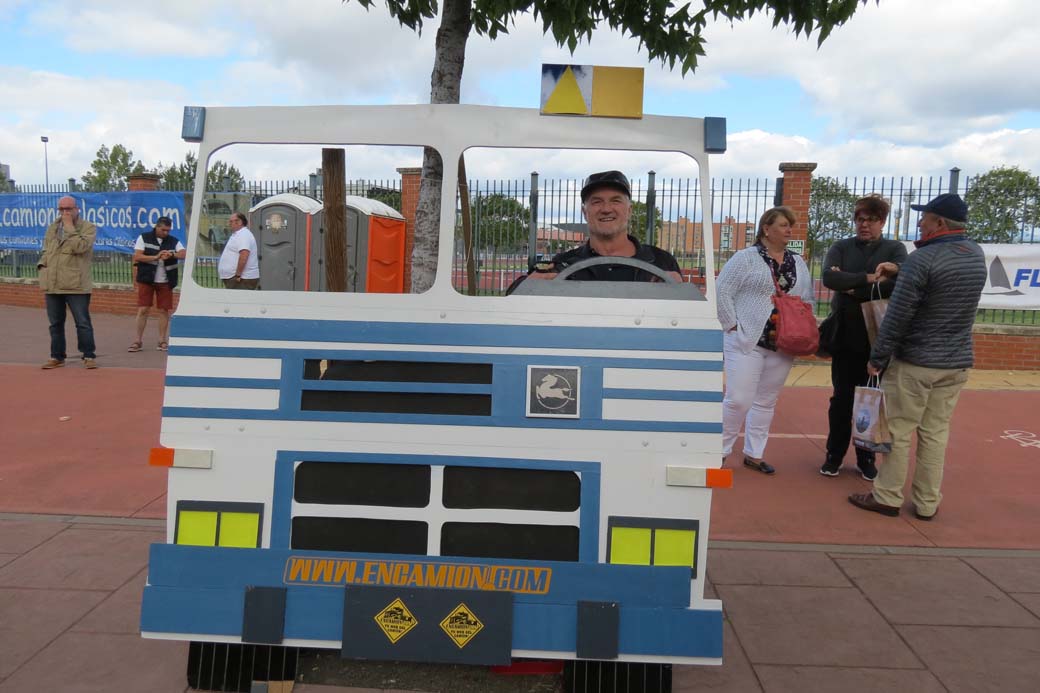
x=744, y=294
x=240, y=240
x=160, y=267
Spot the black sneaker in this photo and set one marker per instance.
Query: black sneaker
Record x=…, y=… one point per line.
x=830, y=467
x=868, y=469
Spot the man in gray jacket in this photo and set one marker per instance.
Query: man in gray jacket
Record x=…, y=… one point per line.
x=925, y=349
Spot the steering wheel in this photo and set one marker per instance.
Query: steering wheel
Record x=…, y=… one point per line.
x=616, y=262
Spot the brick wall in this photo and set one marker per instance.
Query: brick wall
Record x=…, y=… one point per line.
x=1007, y=347
x=106, y=298
x=410, y=178
x=797, y=184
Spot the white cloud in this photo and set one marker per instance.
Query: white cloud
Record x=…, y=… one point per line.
x=79, y=115
x=908, y=87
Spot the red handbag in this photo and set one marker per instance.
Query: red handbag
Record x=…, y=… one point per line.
x=796, y=330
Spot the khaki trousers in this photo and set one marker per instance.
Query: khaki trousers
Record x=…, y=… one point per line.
x=917, y=399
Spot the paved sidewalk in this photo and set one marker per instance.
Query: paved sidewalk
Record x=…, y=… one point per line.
x=798, y=617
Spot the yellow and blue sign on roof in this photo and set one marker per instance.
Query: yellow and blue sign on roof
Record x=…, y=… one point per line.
x=592, y=90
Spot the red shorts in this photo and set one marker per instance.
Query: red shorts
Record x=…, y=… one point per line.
x=162, y=295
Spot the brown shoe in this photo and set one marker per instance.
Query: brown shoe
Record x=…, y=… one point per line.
x=89, y=363
x=866, y=501
x=52, y=363
x=925, y=518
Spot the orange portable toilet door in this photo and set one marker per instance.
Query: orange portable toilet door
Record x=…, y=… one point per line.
x=385, y=266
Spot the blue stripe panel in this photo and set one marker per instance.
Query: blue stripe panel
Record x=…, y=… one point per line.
x=443, y=420
x=317, y=614
x=588, y=514
x=446, y=357
x=198, y=381
x=534, y=336
x=205, y=567
x=668, y=395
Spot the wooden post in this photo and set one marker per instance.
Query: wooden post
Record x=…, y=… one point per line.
x=334, y=175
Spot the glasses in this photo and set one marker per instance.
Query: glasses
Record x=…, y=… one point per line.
x=867, y=220
x=66, y=209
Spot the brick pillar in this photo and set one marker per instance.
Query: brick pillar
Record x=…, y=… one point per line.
x=409, y=201
x=797, y=182
x=146, y=182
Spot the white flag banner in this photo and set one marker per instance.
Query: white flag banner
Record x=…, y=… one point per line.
x=1013, y=279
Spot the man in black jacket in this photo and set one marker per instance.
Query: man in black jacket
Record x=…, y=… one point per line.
x=155, y=255
x=925, y=347
x=606, y=204
x=852, y=271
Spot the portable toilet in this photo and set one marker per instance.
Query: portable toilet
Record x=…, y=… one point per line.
x=290, y=235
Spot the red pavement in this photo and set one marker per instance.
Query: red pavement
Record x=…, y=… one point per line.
x=95, y=463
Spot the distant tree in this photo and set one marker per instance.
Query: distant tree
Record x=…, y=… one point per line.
x=110, y=169
x=387, y=196
x=831, y=207
x=182, y=176
x=500, y=221
x=637, y=222
x=4, y=183
x=1002, y=205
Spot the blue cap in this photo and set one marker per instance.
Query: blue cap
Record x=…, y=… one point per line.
x=947, y=205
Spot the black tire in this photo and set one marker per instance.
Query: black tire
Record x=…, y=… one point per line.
x=587, y=676
x=214, y=666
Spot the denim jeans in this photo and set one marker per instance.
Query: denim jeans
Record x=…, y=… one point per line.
x=79, y=304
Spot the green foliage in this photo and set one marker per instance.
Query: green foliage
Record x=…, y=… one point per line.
x=637, y=222
x=110, y=168
x=831, y=208
x=1002, y=204
x=387, y=196
x=182, y=176
x=4, y=183
x=669, y=33
x=500, y=221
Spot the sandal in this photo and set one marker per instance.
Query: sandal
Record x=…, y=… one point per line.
x=763, y=467
x=163, y=346
x=136, y=346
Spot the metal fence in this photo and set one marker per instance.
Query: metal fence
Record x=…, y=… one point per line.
x=666, y=211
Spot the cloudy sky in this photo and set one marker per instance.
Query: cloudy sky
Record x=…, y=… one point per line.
x=907, y=88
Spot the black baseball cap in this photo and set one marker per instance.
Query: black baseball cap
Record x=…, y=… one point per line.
x=947, y=205
x=606, y=179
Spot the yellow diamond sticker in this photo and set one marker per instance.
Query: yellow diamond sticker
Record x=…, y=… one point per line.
x=395, y=620
x=461, y=625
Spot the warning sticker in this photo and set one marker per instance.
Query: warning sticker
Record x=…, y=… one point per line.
x=461, y=625
x=395, y=620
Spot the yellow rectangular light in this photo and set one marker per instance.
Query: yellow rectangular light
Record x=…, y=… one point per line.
x=197, y=528
x=239, y=530
x=674, y=547
x=630, y=546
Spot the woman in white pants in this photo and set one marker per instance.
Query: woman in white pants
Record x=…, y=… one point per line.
x=755, y=370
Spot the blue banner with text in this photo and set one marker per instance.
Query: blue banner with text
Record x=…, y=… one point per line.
x=120, y=217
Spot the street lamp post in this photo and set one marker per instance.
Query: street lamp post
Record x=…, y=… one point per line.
x=46, y=166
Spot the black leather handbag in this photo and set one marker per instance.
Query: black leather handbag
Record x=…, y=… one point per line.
x=828, y=335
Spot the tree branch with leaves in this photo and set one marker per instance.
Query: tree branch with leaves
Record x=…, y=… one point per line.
x=668, y=33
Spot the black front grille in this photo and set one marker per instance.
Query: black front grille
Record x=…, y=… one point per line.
x=356, y=401
x=398, y=371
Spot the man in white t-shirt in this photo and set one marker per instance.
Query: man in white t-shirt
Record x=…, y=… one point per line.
x=155, y=255
x=239, y=266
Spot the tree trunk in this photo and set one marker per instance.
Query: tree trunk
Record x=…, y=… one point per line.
x=445, y=84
